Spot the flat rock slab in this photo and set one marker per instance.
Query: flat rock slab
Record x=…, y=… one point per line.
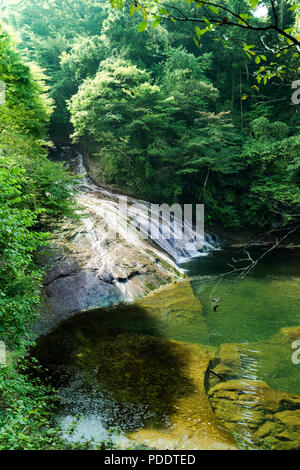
x=88, y=267
x=260, y=415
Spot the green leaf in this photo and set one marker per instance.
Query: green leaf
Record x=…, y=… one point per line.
x=213, y=9
x=289, y=30
x=294, y=7
x=198, y=31
x=248, y=48
x=207, y=22
x=142, y=26
x=196, y=42
x=156, y=22
x=132, y=10
x=164, y=11
x=245, y=16
x=144, y=13
x=254, y=3
x=257, y=59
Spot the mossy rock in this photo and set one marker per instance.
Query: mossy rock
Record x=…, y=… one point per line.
x=244, y=405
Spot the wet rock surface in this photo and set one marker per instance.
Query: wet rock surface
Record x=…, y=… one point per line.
x=257, y=413
x=260, y=415
x=89, y=267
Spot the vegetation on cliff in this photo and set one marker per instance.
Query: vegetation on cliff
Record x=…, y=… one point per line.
x=171, y=119
x=31, y=185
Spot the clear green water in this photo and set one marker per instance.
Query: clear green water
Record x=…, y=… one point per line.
x=251, y=312
x=249, y=309
x=250, y=316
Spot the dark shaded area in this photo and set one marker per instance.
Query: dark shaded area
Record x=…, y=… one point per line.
x=279, y=261
x=126, y=366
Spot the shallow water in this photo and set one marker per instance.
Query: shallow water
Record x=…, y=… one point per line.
x=137, y=380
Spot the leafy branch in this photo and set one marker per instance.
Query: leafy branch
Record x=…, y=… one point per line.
x=243, y=271
x=216, y=15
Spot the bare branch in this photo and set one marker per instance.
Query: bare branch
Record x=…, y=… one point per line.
x=241, y=22
x=274, y=12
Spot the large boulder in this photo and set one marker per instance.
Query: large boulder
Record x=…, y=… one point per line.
x=260, y=415
x=88, y=266
x=251, y=408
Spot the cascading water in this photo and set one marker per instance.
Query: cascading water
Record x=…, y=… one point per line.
x=111, y=247
x=120, y=212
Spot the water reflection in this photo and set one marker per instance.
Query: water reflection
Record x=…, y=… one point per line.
x=123, y=365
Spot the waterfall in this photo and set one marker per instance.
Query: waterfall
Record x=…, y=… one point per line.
x=120, y=214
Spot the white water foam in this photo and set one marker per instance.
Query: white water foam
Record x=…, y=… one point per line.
x=104, y=204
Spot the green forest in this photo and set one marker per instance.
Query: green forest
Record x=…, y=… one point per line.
x=181, y=102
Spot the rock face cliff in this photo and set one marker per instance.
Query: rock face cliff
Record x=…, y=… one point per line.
x=88, y=267
x=116, y=251
x=99, y=259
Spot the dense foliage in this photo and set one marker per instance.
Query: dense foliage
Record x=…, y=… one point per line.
x=168, y=120
x=30, y=186
x=206, y=16
x=157, y=114
x=26, y=415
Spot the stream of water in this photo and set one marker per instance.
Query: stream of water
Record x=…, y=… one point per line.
x=119, y=366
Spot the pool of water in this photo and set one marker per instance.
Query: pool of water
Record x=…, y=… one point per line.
x=249, y=309
x=137, y=378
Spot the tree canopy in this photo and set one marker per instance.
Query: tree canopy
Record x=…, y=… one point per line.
x=187, y=101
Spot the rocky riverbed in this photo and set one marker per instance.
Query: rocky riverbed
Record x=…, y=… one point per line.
x=131, y=343
x=251, y=408
x=166, y=393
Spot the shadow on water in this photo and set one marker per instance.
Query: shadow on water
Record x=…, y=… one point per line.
x=281, y=261
x=96, y=362
x=124, y=365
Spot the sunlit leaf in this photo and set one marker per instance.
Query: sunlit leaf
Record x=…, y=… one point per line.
x=132, y=10
x=213, y=9
x=196, y=42
x=145, y=14
x=142, y=26
x=294, y=7
x=156, y=22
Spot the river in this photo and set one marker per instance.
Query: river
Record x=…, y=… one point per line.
x=202, y=363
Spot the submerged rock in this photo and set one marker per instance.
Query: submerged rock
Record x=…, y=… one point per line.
x=191, y=424
x=257, y=413
x=172, y=303
x=260, y=415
